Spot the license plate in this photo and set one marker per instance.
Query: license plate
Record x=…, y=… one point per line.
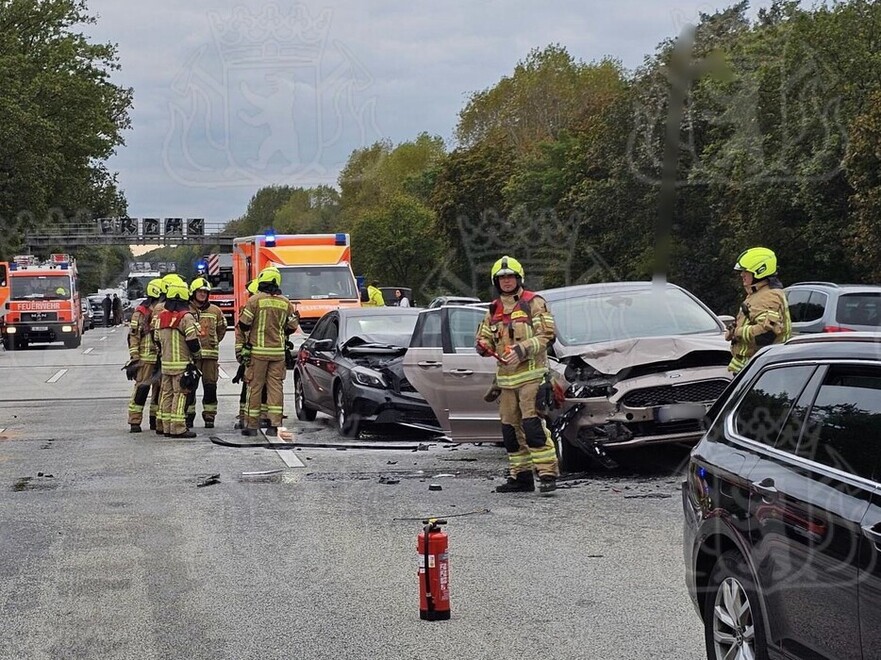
x=39, y=328
x=680, y=412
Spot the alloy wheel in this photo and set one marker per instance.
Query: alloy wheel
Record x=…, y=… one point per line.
x=733, y=627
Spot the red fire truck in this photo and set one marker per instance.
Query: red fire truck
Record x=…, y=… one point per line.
x=217, y=269
x=44, y=302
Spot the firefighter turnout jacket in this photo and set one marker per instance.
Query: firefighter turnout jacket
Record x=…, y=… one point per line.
x=141, y=345
x=763, y=319
x=523, y=324
x=212, y=329
x=176, y=333
x=268, y=319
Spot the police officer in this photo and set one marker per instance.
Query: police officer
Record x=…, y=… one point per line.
x=266, y=321
x=142, y=357
x=763, y=318
x=212, y=328
x=517, y=329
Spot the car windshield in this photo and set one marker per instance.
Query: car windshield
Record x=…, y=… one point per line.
x=394, y=329
x=318, y=282
x=594, y=318
x=26, y=287
x=136, y=287
x=859, y=309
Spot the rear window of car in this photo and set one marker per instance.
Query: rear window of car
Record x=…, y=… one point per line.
x=859, y=309
x=765, y=409
x=629, y=315
x=843, y=428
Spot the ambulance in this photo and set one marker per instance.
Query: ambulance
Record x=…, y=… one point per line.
x=316, y=271
x=44, y=302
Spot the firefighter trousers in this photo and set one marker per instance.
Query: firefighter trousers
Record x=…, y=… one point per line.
x=173, y=405
x=244, y=397
x=269, y=375
x=210, y=375
x=533, y=448
x=140, y=394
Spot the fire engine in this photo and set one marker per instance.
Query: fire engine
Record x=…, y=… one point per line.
x=44, y=302
x=217, y=269
x=316, y=272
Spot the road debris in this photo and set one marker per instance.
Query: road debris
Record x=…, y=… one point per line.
x=435, y=487
x=389, y=481
x=208, y=481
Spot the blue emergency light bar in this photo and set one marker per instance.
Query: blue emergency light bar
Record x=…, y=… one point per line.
x=269, y=238
x=341, y=239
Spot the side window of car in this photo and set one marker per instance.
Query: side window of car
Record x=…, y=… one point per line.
x=843, y=428
x=427, y=333
x=798, y=302
x=333, y=330
x=463, y=327
x=764, y=410
x=320, y=330
x=815, y=307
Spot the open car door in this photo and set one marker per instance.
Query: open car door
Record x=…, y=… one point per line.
x=443, y=366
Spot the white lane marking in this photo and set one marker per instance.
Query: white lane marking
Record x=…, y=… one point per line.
x=103, y=338
x=1, y=430
x=222, y=373
x=290, y=458
x=88, y=350
x=58, y=375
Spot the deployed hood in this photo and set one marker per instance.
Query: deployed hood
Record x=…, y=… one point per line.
x=612, y=356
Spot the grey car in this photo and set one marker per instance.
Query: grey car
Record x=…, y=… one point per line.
x=640, y=363
x=829, y=307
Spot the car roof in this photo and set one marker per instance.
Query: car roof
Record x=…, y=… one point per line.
x=824, y=346
x=377, y=311
x=849, y=288
x=602, y=288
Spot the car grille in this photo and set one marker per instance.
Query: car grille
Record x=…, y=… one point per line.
x=699, y=392
x=666, y=428
x=39, y=316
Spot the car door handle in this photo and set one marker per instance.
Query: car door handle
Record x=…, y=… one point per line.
x=462, y=372
x=428, y=364
x=873, y=535
x=766, y=489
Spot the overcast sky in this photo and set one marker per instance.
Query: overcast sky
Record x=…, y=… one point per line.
x=230, y=96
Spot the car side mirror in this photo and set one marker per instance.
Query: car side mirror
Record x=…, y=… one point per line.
x=726, y=319
x=322, y=344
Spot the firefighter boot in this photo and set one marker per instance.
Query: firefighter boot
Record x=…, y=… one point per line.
x=134, y=428
x=190, y=421
x=522, y=483
x=271, y=431
x=547, y=484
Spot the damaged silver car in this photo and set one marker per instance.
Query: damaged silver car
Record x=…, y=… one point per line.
x=639, y=362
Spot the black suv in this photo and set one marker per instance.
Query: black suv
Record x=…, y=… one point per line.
x=782, y=505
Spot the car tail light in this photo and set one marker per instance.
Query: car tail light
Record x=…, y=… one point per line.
x=836, y=328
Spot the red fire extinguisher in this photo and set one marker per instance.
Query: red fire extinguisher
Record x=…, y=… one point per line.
x=434, y=571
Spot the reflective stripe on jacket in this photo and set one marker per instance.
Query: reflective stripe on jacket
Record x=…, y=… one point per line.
x=175, y=352
x=140, y=336
x=212, y=329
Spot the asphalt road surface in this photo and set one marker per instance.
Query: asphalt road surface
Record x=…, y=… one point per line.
x=110, y=549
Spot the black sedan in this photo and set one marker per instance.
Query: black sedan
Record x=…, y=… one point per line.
x=351, y=367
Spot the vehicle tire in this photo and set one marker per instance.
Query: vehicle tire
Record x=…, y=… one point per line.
x=346, y=423
x=732, y=611
x=73, y=342
x=304, y=413
x=571, y=458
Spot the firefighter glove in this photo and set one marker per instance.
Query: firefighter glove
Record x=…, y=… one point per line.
x=246, y=353
x=190, y=379
x=131, y=368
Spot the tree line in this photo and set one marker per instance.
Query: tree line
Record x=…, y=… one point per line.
x=559, y=163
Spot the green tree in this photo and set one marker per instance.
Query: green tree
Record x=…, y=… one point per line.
x=310, y=211
x=397, y=244
x=61, y=117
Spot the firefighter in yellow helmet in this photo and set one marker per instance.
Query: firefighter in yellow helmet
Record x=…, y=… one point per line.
x=763, y=318
x=155, y=408
x=212, y=328
x=266, y=321
x=178, y=335
x=142, y=357
x=517, y=330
